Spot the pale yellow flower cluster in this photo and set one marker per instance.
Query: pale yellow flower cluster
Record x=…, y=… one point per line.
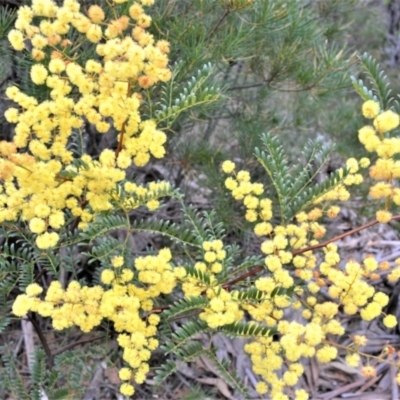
x=124, y=304
x=386, y=170
x=214, y=255
x=75, y=305
x=222, y=310
x=277, y=361
x=265, y=354
x=243, y=189
x=42, y=181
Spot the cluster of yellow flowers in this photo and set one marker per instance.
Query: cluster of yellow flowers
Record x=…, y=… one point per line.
x=214, y=255
x=43, y=182
x=377, y=138
x=45, y=185
x=293, y=267
x=124, y=303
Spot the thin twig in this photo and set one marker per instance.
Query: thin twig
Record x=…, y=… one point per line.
x=46, y=348
x=301, y=251
x=218, y=24
x=72, y=345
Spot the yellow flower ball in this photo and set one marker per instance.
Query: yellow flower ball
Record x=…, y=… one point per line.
x=96, y=14
x=39, y=74
x=370, y=109
x=22, y=305
x=33, y=289
x=107, y=276
x=390, y=321
x=386, y=121
x=126, y=389
x=47, y=240
x=16, y=39
x=383, y=216
x=125, y=374
x=37, y=225
x=117, y=261
x=11, y=115
x=228, y=166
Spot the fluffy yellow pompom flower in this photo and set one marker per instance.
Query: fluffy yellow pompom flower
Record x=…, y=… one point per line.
x=56, y=220
x=16, y=39
x=37, y=225
x=21, y=305
x=94, y=33
x=353, y=360
x=96, y=14
x=386, y=121
x=301, y=394
x=117, y=261
x=33, y=289
x=11, y=115
x=261, y=387
x=228, y=166
x=326, y=354
x=38, y=74
x=107, y=276
x=125, y=374
x=127, y=389
x=390, y=321
x=368, y=371
x=364, y=162
x=152, y=205
x=360, y=340
x=126, y=275
x=383, y=216
x=370, y=109
x=47, y=240
x=56, y=66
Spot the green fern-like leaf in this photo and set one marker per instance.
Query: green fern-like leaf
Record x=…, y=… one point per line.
x=193, y=93
x=38, y=375
x=229, y=375
x=186, y=354
x=10, y=377
x=246, y=329
x=7, y=18
x=183, y=334
x=199, y=275
x=362, y=90
x=252, y=294
x=184, y=306
x=294, y=185
x=378, y=80
x=380, y=91
x=276, y=164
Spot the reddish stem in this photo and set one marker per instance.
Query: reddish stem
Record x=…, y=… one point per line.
x=301, y=251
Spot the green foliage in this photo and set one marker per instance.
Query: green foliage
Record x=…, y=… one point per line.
x=7, y=18
x=183, y=306
x=377, y=79
x=183, y=334
x=267, y=66
x=194, y=350
x=176, y=99
x=295, y=186
x=246, y=329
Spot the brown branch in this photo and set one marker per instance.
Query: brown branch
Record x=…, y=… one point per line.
x=242, y=277
x=121, y=141
x=301, y=251
x=218, y=24
x=71, y=345
x=43, y=341
x=343, y=235
x=258, y=269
